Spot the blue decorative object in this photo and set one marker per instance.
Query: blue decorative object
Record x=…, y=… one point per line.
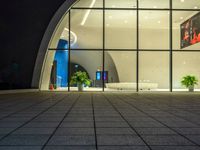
x=61, y=57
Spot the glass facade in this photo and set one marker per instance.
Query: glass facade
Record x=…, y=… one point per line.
x=129, y=45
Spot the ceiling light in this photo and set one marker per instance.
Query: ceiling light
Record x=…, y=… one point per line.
x=131, y=12
x=159, y=21
x=110, y=17
x=87, y=13
x=181, y=18
x=195, y=7
x=182, y=1
x=154, y=6
x=74, y=36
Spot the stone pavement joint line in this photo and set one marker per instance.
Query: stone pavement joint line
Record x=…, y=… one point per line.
x=100, y=121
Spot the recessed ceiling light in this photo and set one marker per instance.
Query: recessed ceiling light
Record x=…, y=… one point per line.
x=195, y=7
x=154, y=6
x=159, y=21
x=182, y=1
x=131, y=12
x=125, y=21
x=181, y=18
x=110, y=17
x=74, y=36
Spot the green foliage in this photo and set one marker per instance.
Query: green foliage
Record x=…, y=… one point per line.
x=189, y=80
x=80, y=78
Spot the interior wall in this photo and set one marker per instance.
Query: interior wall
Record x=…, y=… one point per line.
x=154, y=66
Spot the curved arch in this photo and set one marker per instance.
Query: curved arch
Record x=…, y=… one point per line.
x=47, y=38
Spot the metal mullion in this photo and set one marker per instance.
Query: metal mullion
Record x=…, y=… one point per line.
x=122, y=50
x=69, y=51
x=171, y=47
x=144, y=9
x=137, y=54
x=103, y=82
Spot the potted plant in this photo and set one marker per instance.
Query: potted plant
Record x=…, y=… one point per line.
x=189, y=81
x=80, y=79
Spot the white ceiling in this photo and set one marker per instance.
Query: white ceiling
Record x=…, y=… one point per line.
x=142, y=3
x=127, y=18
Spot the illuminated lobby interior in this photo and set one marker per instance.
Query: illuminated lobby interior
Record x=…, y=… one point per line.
x=137, y=44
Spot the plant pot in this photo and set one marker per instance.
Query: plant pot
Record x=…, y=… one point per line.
x=80, y=87
x=191, y=88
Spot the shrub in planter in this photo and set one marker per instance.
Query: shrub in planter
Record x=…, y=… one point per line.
x=80, y=79
x=189, y=82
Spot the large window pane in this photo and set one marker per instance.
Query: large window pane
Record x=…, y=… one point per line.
x=120, y=29
x=121, y=68
x=87, y=25
x=186, y=32
x=89, y=62
x=120, y=4
x=154, y=30
x=153, y=4
x=185, y=63
x=154, y=71
x=186, y=4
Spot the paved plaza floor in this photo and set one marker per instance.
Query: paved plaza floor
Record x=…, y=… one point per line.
x=100, y=121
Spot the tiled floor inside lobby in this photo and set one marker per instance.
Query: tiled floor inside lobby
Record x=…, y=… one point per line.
x=103, y=121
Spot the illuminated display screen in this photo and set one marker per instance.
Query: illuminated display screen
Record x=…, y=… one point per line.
x=190, y=31
x=98, y=75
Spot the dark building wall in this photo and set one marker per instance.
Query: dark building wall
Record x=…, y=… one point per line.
x=22, y=26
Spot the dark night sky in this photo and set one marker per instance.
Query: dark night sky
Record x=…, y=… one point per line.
x=22, y=26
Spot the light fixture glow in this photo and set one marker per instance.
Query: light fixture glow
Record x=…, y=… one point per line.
x=195, y=7
x=110, y=17
x=182, y=1
x=181, y=18
x=74, y=35
x=159, y=21
x=88, y=12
